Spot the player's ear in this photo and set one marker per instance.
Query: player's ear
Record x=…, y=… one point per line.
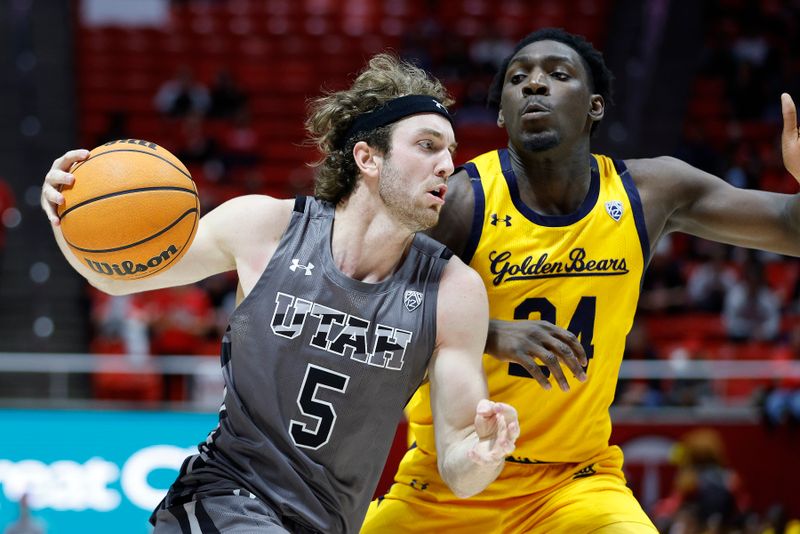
x=367, y=158
x=597, y=107
x=501, y=121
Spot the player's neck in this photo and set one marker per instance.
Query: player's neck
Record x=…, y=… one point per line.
x=366, y=243
x=552, y=182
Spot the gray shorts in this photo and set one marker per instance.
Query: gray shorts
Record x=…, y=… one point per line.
x=229, y=514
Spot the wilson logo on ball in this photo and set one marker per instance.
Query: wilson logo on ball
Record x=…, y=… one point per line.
x=127, y=267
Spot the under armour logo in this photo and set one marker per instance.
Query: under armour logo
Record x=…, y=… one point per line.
x=296, y=265
x=422, y=486
x=585, y=472
x=412, y=300
x=506, y=219
x=614, y=209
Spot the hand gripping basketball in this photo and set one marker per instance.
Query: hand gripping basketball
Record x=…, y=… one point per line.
x=131, y=211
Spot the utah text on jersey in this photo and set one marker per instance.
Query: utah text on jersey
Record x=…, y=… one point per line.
x=340, y=333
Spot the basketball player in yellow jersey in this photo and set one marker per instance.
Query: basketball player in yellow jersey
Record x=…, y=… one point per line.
x=561, y=238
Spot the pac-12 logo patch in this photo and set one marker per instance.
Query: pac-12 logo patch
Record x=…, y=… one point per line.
x=614, y=209
x=412, y=300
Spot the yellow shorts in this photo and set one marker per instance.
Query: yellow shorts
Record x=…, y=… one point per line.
x=540, y=498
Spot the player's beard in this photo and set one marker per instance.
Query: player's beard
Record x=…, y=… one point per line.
x=399, y=201
x=539, y=142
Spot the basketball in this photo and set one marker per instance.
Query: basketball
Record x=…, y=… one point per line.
x=132, y=210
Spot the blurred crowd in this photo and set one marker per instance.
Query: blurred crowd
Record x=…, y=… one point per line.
x=708, y=496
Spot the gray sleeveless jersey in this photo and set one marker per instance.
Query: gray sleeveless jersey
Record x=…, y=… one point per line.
x=318, y=368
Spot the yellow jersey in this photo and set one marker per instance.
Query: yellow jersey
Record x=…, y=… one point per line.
x=581, y=271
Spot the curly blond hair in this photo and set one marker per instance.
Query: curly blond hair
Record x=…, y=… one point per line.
x=330, y=116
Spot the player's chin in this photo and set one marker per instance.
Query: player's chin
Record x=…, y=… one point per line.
x=431, y=218
x=540, y=141
x=428, y=216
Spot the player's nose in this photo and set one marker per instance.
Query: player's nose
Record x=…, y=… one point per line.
x=536, y=84
x=445, y=166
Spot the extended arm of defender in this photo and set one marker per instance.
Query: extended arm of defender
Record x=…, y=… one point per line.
x=473, y=435
x=706, y=206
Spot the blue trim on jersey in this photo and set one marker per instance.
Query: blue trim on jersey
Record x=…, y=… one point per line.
x=550, y=220
x=477, y=215
x=636, y=208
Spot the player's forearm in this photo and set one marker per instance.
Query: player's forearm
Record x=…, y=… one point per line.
x=101, y=282
x=463, y=475
x=791, y=214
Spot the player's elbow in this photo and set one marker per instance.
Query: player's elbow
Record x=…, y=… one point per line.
x=463, y=489
x=459, y=481
x=463, y=493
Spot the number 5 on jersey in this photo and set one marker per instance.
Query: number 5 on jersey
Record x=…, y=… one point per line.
x=320, y=411
x=581, y=324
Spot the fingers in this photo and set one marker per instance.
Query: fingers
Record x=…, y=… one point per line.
x=543, y=349
x=57, y=177
x=790, y=139
x=51, y=196
x=572, y=341
x=789, y=116
x=485, y=408
x=530, y=365
x=566, y=354
x=65, y=162
x=485, y=419
x=548, y=360
x=500, y=443
x=510, y=414
x=552, y=362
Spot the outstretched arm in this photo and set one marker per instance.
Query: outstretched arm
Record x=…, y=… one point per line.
x=473, y=434
x=679, y=197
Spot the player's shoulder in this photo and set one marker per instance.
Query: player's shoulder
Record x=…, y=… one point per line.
x=258, y=209
x=459, y=189
x=660, y=167
x=462, y=303
x=458, y=277
x=668, y=182
x=250, y=218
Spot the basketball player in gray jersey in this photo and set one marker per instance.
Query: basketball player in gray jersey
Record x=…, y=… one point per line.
x=344, y=309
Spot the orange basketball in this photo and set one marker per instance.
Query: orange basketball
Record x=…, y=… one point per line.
x=131, y=212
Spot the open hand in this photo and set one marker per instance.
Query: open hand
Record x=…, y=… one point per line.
x=525, y=342
x=497, y=427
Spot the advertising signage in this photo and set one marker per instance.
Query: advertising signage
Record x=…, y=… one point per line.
x=87, y=471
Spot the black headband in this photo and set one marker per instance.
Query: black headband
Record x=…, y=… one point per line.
x=390, y=112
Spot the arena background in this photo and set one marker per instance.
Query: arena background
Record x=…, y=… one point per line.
x=102, y=397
